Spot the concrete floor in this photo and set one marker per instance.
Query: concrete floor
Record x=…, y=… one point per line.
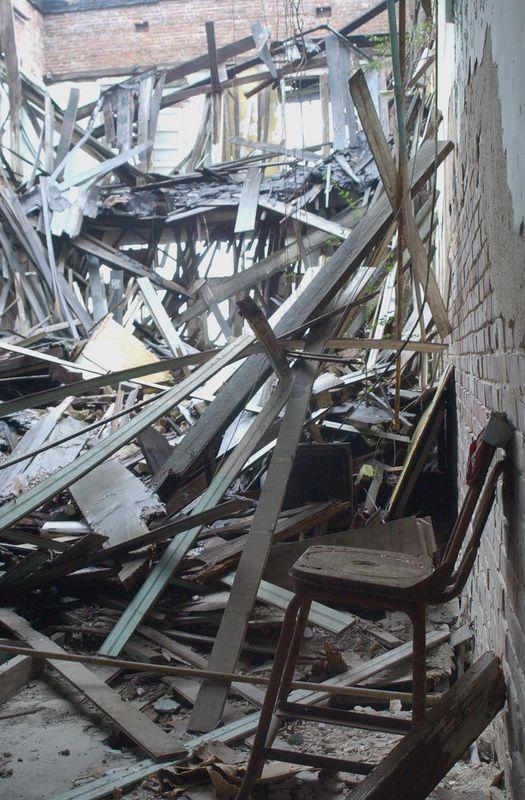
x=46, y=753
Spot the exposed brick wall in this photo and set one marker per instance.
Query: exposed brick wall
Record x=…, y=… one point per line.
x=486, y=254
x=29, y=33
x=107, y=39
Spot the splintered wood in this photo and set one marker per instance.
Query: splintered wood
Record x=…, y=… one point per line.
x=198, y=378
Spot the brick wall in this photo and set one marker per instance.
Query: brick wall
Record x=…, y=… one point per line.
x=29, y=33
x=485, y=248
x=107, y=40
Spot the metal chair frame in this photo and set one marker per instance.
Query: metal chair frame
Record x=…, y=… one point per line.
x=445, y=582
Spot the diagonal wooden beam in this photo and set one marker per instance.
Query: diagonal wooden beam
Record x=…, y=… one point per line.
x=387, y=169
x=145, y=733
x=228, y=641
x=257, y=321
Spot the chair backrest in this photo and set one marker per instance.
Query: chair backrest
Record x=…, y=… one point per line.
x=480, y=496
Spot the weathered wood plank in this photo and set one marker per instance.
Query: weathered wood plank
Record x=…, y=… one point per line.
x=307, y=217
x=68, y=126
x=247, y=210
x=162, y=320
x=387, y=169
x=425, y=755
x=232, y=630
x=212, y=56
x=132, y=723
x=15, y=673
x=116, y=503
x=338, y=62
x=257, y=321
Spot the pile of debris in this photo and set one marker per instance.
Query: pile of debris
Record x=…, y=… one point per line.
x=175, y=438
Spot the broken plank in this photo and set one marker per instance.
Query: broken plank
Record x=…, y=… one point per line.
x=387, y=344
x=329, y=619
x=15, y=673
x=212, y=56
x=343, y=117
x=37, y=495
x=98, y=289
x=248, y=200
x=261, y=37
x=68, y=125
x=177, y=549
x=32, y=439
x=306, y=217
x=115, y=258
x=116, y=503
x=232, y=630
x=180, y=651
x=257, y=321
x=162, y=320
x=148, y=736
x=425, y=755
x=387, y=169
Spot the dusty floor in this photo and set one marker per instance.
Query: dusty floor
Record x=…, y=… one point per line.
x=45, y=754
x=66, y=743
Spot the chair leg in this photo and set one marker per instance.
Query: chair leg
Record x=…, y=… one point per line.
x=293, y=649
x=289, y=668
x=256, y=760
x=419, y=669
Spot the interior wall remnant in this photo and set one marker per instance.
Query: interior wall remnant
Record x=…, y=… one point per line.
x=168, y=32
x=485, y=248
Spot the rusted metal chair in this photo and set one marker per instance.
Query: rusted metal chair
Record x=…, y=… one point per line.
x=378, y=580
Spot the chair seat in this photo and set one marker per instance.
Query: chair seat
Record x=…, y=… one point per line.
x=351, y=569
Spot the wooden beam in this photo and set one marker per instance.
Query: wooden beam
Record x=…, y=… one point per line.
x=324, y=617
x=306, y=217
x=388, y=172
x=15, y=673
x=425, y=755
x=232, y=630
x=68, y=126
x=114, y=258
x=387, y=344
x=161, y=318
x=257, y=321
x=212, y=56
x=247, y=209
x=201, y=673
x=343, y=117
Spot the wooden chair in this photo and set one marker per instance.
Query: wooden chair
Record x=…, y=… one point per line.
x=378, y=580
